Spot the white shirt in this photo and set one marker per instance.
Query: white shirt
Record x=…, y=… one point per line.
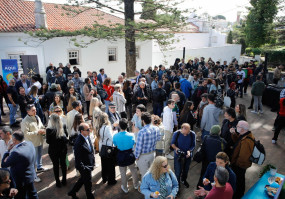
x=168, y=119
x=241, y=73
x=3, y=148
x=86, y=139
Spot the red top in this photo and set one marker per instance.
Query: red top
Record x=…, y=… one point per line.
x=221, y=192
x=249, y=72
x=282, y=107
x=3, y=87
x=109, y=90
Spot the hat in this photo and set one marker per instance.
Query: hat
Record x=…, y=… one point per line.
x=215, y=130
x=53, y=86
x=112, y=104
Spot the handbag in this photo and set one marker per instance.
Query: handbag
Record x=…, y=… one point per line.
x=199, y=156
x=227, y=101
x=109, y=152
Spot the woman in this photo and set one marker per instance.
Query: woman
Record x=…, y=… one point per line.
x=94, y=106
x=105, y=134
x=159, y=181
x=128, y=91
x=3, y=93
x=232, y=94
x=160, y=145
x=44, y=89
x=34, y=95
x=57, y=102
x=78, y=119
x=109, y=89
x=240, y=112
x=6, y=184
x=86, y=91
x=215, y=87
x=57, y=150
x=136, y=121
x=187, y=115
x=221, y=160
x=221, y=82
x=280, y=123
x=69, y=98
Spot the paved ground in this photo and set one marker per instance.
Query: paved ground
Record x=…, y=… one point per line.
x=261, y=126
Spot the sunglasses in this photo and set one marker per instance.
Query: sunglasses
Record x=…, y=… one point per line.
x=112, y=107
x=165, y=166
x=88, y=130
x=57, y=111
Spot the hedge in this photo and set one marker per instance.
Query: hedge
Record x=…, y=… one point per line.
x=276, y=57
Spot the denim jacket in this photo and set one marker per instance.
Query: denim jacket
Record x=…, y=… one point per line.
x=149, y=185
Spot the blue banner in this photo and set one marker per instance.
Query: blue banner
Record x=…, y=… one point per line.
x=8, y=67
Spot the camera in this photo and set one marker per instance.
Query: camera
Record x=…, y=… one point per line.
x=181, y=155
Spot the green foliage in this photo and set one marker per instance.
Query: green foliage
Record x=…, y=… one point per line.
x=219, y=17
x=230, y=38
x=276, y=57
x=256, y=51
x=148, y=10
x=265, y=169
x=248, y=51
x=259, y=22
x=239, y=36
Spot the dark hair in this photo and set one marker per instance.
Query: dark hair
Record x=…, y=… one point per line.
x=18, y=135
x=4, y=173
x=170, y=101
x=141, y=107
x=75, y=104
x=123, y=123
x=185, y=110
x=127, y=84
x=101, y=70
x=146, y=117
x=177, y=85
x=160, y=83
x=123, y=74
x=56, y=95
x=258, y=77
x=29, y=107
x=231, y=112
x=107, y=81
x=86, y=80
x=211, y=97
x=81, y=128
x=77, y=121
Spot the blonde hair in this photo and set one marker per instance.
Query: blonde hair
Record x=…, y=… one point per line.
x=69, y=106
x=55, y=123
x=93, y=103
x=156, y=167
x=103, y=119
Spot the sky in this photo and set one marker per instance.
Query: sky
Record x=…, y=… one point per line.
x=228, y=8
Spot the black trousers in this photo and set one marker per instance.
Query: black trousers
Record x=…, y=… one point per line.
x=26, y=191
x=280, y=124
x=240, y=181
x=56, y=160
x=205, y=164
x=87, y=107
x=108, y=170
x=240, y=88
x=85, y=179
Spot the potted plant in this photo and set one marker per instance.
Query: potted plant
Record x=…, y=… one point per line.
x=268, y=167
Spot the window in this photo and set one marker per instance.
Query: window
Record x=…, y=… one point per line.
x=112, y=54
x=18, y=57
x=73, y=57
x=138, y=52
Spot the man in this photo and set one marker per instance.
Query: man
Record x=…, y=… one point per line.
x=114, y=116
x=101, y=76
x=202, y=88
x=161, y=73
x=138, y=76
x=140, y=94
x=78, y=83
x=277, y=73
x=183, y=142
x=146, y=143
x=158, y=96
x=6, y=136
x=76, y=70
x=12, y=102
x=210, y=116
x=35, y=82
x=84, y=161
x=50, y=74
x=121, y=81
x=58, y=78
x=48, y=98
x=20, y=157
x=76, y=105
x=224, y=66
x=66, y=70
x=167, y=87
x=16, y=76
x=181, y=94
x=244, y=145
x=65, y=83
x=23, y=82
x=34, y=132
x=89, y=74
x=168, y=123
x=240, y=76
x=257, y=91
x=200, y=108
x=154, y=72
x=194, y=82
x=222, y=188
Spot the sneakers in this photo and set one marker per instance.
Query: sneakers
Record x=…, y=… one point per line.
x=37, y=179
x=185, y=183
x=138, y=186
x=273, y=141
x=124, y=190
x=170, y=157
x=250, y=107
x=254, y=112
x=261, y=112
x=41, y=170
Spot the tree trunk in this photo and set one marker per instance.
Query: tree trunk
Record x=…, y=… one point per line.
x=130, y=43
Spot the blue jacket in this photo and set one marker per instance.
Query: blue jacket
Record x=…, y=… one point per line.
x=21, y=162
x=149, y=185
x=20, y=84
x=185, y=87
x=210, y=172
x=99, y=78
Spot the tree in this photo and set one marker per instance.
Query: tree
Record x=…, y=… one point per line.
x=220, y=17
x=130, y=30
x=148, y=10
x=230, y=38
x=259, y=21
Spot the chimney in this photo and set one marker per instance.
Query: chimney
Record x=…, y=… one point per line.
x=40, y=15
x=238, y=17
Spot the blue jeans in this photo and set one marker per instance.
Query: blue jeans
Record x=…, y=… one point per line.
x=38, y=159
x=13, y=111
x=181, y=167
x=107, y=105
x=204, y=133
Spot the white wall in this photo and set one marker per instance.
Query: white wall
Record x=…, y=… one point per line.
x=216, y=53
x=92, y=58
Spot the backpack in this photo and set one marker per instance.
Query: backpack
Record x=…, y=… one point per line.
x=258, y=153
x=103, y=94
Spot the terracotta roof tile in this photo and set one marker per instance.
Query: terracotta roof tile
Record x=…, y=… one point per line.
x=18, y=16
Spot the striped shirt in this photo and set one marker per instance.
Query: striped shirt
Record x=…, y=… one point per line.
x=147, y=138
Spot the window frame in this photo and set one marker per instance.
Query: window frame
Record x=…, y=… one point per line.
x=78, y=56
x=116, y=54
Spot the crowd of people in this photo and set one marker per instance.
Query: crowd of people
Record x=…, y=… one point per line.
x=113, y=117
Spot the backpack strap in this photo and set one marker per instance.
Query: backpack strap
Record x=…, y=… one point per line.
x=176, y=139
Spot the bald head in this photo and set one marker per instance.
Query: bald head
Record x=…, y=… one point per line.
x=242, y=127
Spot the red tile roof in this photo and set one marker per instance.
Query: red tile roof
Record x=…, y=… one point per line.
x=18, y=16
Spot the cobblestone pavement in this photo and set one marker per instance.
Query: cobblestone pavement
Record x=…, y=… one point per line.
x=261, y=126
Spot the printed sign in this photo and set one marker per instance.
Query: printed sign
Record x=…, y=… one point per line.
x=8, y=67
